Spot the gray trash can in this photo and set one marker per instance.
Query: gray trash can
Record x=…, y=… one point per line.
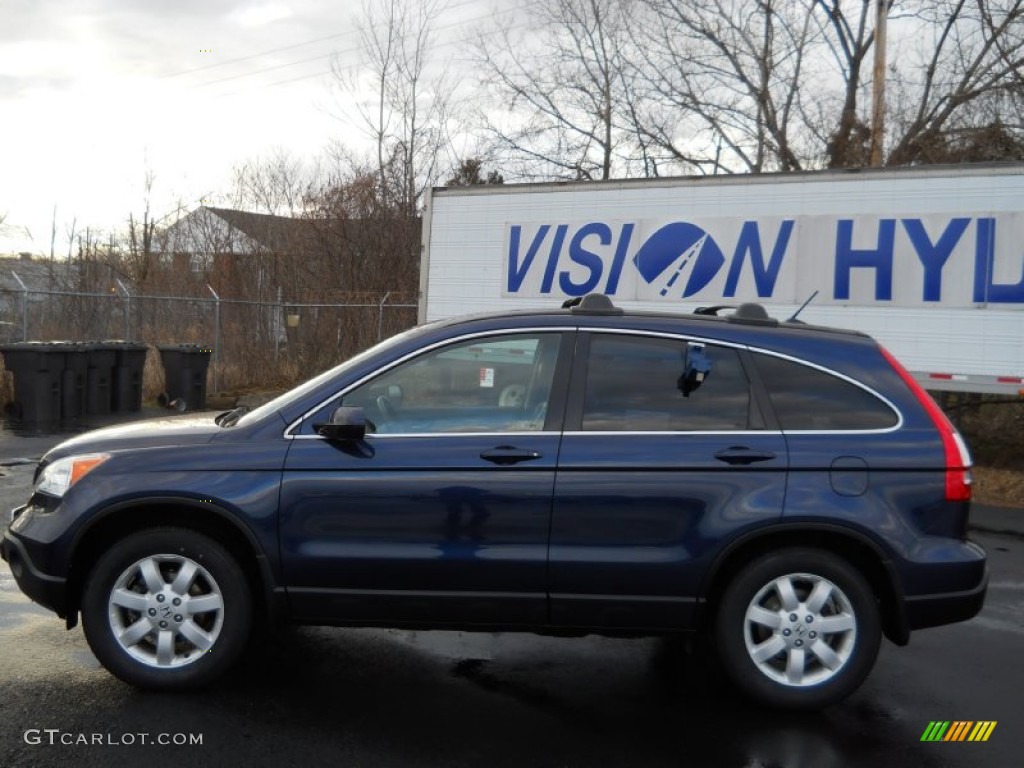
x=98, y=378
x=185, y=367
x=38, y=368
x=73, y=381
x=129, y=363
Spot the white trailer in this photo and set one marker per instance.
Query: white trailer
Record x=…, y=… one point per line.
x=930, y=261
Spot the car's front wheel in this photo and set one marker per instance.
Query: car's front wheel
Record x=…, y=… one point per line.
x=798, y=628
x=166, y=609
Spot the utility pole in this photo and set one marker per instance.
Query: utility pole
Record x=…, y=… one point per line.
x=878, y=84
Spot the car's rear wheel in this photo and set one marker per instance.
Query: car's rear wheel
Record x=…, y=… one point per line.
x=798, y=628
x=166, y=609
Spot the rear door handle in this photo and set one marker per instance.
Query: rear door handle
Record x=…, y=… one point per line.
x=743, y=456
x=508, y=454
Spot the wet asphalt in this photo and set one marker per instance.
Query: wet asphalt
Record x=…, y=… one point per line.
x=322, y=696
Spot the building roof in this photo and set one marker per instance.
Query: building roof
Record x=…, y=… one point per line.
x=225, y=230
x=276, y=233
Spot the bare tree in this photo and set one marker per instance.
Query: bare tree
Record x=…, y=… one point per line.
x=3, y=218
x=723, y=81
x=140, y=256
x=601, y=88
x=954, y=74
x=470, y=174
x=849, y=39
x=403, y=97
x=369, y=243
x=70, y=231
x=564, y=83
x=276, y=184
x=53, y=232
x=757, y=85
x=967, y=82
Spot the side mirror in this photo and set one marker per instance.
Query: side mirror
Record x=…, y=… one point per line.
x=347, y=423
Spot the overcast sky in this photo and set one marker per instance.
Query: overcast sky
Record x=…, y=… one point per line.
x=94, y=92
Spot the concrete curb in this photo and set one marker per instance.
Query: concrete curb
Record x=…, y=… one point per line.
x=1006, y=521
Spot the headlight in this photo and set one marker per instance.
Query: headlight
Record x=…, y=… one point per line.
x=58, y=477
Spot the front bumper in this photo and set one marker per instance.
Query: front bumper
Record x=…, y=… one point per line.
x=49, y=591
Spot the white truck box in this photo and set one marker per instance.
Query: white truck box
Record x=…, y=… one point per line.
x=930, y=261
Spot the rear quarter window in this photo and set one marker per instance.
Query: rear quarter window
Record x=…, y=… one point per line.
x=807, y=398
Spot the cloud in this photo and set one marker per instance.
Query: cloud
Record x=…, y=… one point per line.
x=95, y=92
x=260, y=15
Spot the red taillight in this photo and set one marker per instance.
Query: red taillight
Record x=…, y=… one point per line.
x=958, y=458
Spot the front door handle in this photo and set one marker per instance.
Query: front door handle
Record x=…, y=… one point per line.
x=508, y=454
x=741, y=455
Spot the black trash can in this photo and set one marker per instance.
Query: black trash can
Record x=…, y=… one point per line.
x=185, y=367
x=38, y=368
x=73, y=381
x=129, y=363
x=100, y=357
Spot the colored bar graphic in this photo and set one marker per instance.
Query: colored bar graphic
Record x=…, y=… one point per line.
x=982, y=730
x=958, y=730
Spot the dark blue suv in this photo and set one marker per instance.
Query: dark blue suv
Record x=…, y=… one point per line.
x=788, y=489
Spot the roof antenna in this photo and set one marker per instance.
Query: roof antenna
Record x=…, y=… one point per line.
x=793, y=319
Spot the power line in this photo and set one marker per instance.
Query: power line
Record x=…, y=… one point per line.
x=265, y=69
x=350, y=68
x=294, y=46
x=253, y=56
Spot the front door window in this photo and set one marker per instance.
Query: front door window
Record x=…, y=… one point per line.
x=484, y=385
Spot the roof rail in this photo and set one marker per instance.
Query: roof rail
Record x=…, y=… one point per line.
x=592, y=304
x=713, y=311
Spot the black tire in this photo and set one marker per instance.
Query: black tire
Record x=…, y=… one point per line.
x=132, y=588
x=791, y=663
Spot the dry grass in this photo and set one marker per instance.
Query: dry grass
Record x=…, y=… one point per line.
x=999, y=487
x=994, y=429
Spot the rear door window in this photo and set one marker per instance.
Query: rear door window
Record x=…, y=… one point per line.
x=806, y=398
x=647, y=384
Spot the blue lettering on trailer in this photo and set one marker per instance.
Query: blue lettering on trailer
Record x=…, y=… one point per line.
x=934, y=256
x=878, y=259
x=985, y=289
x=664, y=256
x=749, y=244
x=680, y=259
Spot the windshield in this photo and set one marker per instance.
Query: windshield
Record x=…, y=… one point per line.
x=306, y=387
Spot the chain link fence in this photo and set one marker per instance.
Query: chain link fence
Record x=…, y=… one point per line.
x=256, y=345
